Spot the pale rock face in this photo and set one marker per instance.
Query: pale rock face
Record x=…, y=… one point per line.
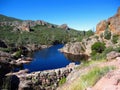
x=88, y=43
x=78, y=48
x=73, y=48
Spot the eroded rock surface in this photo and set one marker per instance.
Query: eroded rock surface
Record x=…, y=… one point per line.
x=113, y=24
x=42, y=80
x=73, y=48
x=112, y=55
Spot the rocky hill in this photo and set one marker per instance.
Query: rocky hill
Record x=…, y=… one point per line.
x=112, y=23
x=32, y=34
x=86, y=77
x=4, y=18
x=25, y=25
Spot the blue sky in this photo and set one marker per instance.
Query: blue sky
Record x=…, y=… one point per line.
x=78, y=14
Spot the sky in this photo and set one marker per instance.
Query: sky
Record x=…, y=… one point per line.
x=77, y=14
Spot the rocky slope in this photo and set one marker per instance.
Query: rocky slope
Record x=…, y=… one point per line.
x=83, y=47
x=111, y=80
x=42, y=80
x=106, y=28
x=113, y=24
x=25, y=25
x=108, y=82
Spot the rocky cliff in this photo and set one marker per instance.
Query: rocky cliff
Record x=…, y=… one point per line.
x=112, y=23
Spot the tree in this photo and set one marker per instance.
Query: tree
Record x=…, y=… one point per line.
x=107, y=34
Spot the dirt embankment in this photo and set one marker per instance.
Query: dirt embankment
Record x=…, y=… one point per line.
x=111, y=81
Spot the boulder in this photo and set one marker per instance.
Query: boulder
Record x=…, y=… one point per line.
x=21, y=61
x=73, y=48
x=88, y=42
x=113, y=55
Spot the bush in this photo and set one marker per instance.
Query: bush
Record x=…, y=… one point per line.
x=115, y=39
x=41, y=35
x=107, y=34
x=62, y=81
x=99, y=56
x=18, y=54
x=5, y=49
x=98, y=47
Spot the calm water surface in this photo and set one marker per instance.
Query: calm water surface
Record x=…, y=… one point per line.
x=49, y=58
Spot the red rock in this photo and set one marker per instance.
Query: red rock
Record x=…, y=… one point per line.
x=109, y=83
x=113, y=23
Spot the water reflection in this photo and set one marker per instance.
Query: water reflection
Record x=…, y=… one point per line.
x=76, y=58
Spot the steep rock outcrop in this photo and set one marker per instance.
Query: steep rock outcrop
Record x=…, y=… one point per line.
x=83, y=47
x=100, y=28
x=73, y=48
x=113, y=23
x=89, y=42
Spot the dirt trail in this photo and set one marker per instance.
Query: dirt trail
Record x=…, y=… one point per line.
x=77, y=73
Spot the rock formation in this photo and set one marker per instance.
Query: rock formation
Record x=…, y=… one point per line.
x=21, y=61
x=101, y=27
x=42, y=80
x=112, y=55
x=74, y=48
x=4, y=57
x=113, y=24
x=24, y=25
x=64, y=26
x=83, y=47
x=88, y=42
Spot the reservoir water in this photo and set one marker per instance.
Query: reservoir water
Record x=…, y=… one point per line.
x=49, y=58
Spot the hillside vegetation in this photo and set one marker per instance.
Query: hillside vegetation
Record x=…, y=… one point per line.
x=8, y=19
x=39, y=34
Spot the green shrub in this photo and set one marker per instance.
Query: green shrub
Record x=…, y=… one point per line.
x=98, y=47
x=18, y=54
x=99, y=56
x=115, y=39
x=107, y=34
x=62, y=81
x=5, y=49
